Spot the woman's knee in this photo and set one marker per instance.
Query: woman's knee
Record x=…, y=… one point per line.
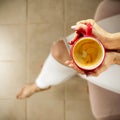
x=60, y=52
x=110, y=8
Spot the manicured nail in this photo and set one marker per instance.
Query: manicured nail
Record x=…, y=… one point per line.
x=66, y=62
x=73, y=27
x=70, y=65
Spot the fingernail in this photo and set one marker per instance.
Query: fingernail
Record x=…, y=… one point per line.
x=73, y=27
x=70, y=65
x=66, y=62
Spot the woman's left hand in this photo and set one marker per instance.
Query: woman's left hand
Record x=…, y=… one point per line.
x=109, y=60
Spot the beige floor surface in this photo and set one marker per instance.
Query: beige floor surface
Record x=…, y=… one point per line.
x=27, y=31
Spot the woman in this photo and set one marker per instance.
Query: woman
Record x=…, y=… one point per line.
x=104, y=99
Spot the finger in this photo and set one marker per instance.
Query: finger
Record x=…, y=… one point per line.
x=79, y=27
x=67, y=62
x=95, y=74
x=71, y=65
x=91, y=21
x=98, y=71
x=77, y=68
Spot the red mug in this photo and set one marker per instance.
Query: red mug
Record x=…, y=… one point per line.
x=87, y=52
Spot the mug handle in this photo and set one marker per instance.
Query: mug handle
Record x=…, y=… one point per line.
x=89, y=30
x=81, y=33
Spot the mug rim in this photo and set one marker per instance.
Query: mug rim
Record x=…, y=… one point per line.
x=93, y=66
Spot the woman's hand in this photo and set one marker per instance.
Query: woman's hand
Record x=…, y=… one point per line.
x=109, y=60
x=106, y=39
x=97, y=31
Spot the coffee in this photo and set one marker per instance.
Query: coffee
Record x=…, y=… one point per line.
x=88, y=53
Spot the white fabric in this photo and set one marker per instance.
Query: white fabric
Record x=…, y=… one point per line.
x=109, y=79
x=53, y=73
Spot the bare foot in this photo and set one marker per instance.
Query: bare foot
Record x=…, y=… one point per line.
x=27, y=91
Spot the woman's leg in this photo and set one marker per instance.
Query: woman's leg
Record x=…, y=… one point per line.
x=59, y=52
x=52, y=73
x=54, y=70
x=104, y=103
x=107, y=8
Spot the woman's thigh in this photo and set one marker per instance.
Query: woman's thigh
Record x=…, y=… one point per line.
x=104, y=103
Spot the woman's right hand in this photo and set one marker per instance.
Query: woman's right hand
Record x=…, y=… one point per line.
x=97, y=31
